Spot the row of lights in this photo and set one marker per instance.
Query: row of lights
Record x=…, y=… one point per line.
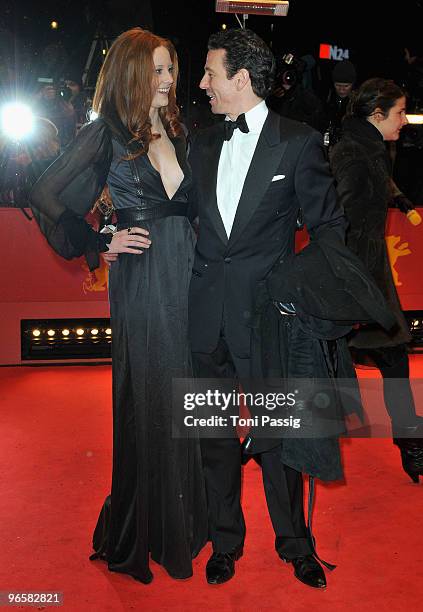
x=76, y=338
x=80, y=332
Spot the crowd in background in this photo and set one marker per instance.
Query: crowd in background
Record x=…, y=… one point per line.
x=300, y=93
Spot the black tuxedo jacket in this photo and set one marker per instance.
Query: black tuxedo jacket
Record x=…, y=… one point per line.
x=288, y=172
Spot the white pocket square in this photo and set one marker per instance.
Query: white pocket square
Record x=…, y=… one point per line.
x=278, y=177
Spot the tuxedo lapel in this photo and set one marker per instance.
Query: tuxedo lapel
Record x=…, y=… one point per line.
x=266, y=159
x=210, y=164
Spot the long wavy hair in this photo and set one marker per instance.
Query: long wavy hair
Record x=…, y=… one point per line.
x=124, y=91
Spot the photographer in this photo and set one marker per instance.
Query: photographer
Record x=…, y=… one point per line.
x=77, y=97
x=51, y=105
x=291, y=99
x=344, y=76
x=23, y=163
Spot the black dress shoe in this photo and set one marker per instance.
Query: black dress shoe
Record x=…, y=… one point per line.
x=245, y=455
x=309, y=571
x=221, y=566
x=410, y=442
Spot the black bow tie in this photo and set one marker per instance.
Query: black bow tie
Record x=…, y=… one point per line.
x=230, y=126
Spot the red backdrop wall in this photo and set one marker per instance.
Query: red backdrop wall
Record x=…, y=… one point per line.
x=37, y=283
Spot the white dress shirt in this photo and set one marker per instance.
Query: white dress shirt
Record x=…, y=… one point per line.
x=234, y=162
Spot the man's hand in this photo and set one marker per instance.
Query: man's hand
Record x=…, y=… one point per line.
x=132, y=240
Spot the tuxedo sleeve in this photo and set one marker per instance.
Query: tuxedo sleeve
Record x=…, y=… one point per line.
x=315, y=190
x=67, y=190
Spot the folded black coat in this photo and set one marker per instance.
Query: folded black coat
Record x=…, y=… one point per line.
x=331, y=290
x=330, y=287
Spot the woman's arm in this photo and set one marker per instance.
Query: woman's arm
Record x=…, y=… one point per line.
x=66, y=191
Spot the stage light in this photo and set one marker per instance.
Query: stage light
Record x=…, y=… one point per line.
x=92, y=115
x=224, y=26
x=414, y=320
x=277, y=8
x=17, y=120
x=62, y=339
x=104, y=51
x=54, y=25
x=415, y=119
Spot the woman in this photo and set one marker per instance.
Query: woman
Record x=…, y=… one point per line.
x=362, y=170
x=157, y=503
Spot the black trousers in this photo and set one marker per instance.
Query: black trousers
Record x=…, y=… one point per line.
x=394, y=366
x=222, y=469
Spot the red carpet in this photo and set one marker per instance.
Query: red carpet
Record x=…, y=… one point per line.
x=55, y=453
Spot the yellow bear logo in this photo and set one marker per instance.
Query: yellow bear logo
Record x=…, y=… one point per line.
x=396, y=250
x=98, y=279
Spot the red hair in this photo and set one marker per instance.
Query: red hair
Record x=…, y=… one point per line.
x=124, y=94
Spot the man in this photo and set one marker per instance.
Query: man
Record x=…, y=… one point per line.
x=253, y=173
x=50, y=105
x=291, y=99
x=78, y=99
x=343, y=77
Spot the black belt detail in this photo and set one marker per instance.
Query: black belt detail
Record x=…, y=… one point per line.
x=131, y=216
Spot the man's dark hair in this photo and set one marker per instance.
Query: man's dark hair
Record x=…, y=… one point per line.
x=244, y=49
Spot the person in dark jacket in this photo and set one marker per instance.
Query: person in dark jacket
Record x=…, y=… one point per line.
x=344, y=76
x=362, y=170
x=291, y=99
x=49, y=104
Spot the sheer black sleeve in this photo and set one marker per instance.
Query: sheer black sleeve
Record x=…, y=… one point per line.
x=66, y=191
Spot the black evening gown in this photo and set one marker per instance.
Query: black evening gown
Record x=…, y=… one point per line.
x=157, y=505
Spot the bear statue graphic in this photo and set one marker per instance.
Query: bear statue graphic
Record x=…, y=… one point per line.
x=396, y=249
x=98, y=279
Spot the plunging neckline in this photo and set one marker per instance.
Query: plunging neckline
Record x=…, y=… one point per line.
x=161, y=180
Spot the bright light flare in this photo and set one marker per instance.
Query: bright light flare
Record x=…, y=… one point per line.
x=415, y=119
x=17, y=120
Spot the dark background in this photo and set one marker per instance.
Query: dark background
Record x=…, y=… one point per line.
x=375, y=32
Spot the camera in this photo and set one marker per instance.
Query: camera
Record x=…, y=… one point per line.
x=289, y=70
x=63, y=90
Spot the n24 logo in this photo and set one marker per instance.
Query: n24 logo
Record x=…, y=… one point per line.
x=333, y=52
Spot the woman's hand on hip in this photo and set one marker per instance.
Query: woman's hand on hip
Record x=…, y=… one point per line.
x=132, y=240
